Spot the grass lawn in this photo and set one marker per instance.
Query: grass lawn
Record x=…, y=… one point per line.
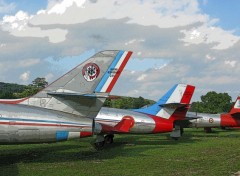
x=196, y=153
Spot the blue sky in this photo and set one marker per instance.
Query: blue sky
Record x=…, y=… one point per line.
x=174, y=41
x=226, y=11
x=28, y=5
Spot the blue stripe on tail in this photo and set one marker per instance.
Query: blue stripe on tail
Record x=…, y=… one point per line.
x=155, y=108
x=107, y=74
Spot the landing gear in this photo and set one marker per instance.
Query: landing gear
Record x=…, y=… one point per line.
x=102, y=140
x=176, y=133
x=99, y=145
x=208, y=129
x=109, y=139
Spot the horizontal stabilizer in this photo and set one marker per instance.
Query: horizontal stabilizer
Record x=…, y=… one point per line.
x=175, y=105
x=93, y=95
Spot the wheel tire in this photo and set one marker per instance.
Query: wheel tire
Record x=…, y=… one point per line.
x=109, y=139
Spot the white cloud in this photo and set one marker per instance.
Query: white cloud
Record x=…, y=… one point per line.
x=142, y=77
x=134, y=41
x=19, y=26
x=220, y=38
x=210, y=58
x=194, y=47
x=231, y=63
x=25, y=76
x=61, y=7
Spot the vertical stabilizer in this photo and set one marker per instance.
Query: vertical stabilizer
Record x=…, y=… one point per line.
x=178, y=97
x=236, y=107
x=83, y=90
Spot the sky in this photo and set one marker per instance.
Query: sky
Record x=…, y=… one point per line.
x=173, y=41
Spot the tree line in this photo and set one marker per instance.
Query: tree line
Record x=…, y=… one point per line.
x=15, y=91
x=212, y=102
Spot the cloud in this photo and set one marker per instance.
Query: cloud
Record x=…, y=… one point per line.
x=25, y=76
x=220, y=38
x=231, y=63
x=142, y=77
x=19, y=26
x=194, y=49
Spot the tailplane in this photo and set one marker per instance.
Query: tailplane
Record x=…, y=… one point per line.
x=175, y=103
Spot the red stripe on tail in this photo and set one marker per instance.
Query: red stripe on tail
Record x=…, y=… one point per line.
x=187, y=94
x=119, y=72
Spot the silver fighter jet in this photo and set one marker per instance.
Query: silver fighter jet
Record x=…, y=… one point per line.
x=66, y=108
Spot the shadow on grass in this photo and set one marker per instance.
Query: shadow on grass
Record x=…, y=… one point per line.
x=124, y=145
x=215, y=133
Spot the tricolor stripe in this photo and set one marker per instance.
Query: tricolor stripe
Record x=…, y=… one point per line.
x=176, y=96
x=118, y=64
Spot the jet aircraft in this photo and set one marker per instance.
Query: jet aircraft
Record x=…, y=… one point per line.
x=66, y=108
x=157, y=118
x=208, y=121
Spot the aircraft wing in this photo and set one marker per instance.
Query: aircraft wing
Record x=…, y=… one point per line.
x=88, y=103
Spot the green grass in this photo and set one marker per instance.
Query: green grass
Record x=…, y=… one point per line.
x=196, y=153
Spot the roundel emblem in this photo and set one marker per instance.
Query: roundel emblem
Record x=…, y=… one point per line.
x=90, y=71
x=211, y=120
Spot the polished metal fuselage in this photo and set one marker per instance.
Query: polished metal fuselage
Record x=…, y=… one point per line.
x=205, y=120
x=111, y=116
x=25, y=124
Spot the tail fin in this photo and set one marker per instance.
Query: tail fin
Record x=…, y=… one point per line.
x=175, y=100
x=236, y=107
x=83, y=90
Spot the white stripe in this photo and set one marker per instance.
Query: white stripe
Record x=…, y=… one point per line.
x=109, y=80
x=165, y=113
x=177, y=95
x=73, y=135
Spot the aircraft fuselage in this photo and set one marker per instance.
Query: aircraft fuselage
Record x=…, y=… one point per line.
x=25, y=124
x=142, y=123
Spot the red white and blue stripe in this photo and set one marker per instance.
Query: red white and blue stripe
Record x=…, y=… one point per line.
x=113, y=72
x=178, y=94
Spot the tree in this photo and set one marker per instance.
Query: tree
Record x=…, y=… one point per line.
x=39, y=83
x=213, y=103
x=127, y=103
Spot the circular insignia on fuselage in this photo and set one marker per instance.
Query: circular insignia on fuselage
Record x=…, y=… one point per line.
x=90, y=71
x=211, y=120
